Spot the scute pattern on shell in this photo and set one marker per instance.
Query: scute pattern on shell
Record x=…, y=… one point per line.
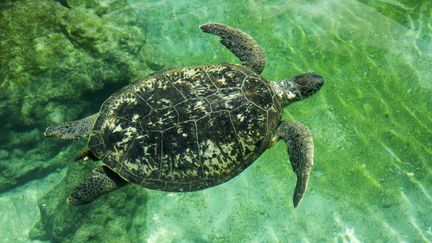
x=186, y=129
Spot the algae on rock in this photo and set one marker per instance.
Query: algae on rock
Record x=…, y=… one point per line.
x=52, y=54
x=58, y=64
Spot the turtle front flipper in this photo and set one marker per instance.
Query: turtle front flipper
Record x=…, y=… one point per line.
x=301, y=152
x=239, y=43
x=73, y=129
x=101, y=181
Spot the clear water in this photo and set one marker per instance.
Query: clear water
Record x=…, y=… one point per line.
x=371, y=122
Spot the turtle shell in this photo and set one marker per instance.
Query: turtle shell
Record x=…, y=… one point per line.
x=186, y=129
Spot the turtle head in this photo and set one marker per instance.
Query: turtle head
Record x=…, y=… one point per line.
x=299, y=87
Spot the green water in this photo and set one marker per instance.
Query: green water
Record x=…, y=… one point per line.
x=371, y=121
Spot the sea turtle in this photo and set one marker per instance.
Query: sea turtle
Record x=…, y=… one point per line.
x=191, y=128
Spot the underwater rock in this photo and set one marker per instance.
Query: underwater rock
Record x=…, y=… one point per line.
x=21, y=161
x=19, y=208
x=113, y=213
x=57, y=64
x=51, y=54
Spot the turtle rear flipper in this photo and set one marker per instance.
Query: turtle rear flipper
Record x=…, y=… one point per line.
x=86, y=154
x=239, y=43
x=301, y=152
x=101, y=181
x=72, y=130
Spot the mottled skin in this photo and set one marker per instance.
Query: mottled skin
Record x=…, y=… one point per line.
x=101, y=181
x=301, y=154
x=241, y=44
x=72, y=130
x=192, y=128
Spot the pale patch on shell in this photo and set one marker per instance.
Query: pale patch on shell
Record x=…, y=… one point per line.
x=118, y=128
x=131, y=166
x=213, y=164
x=135, y=117
x=290, y=95
x=241, y=117
x=190, y=72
